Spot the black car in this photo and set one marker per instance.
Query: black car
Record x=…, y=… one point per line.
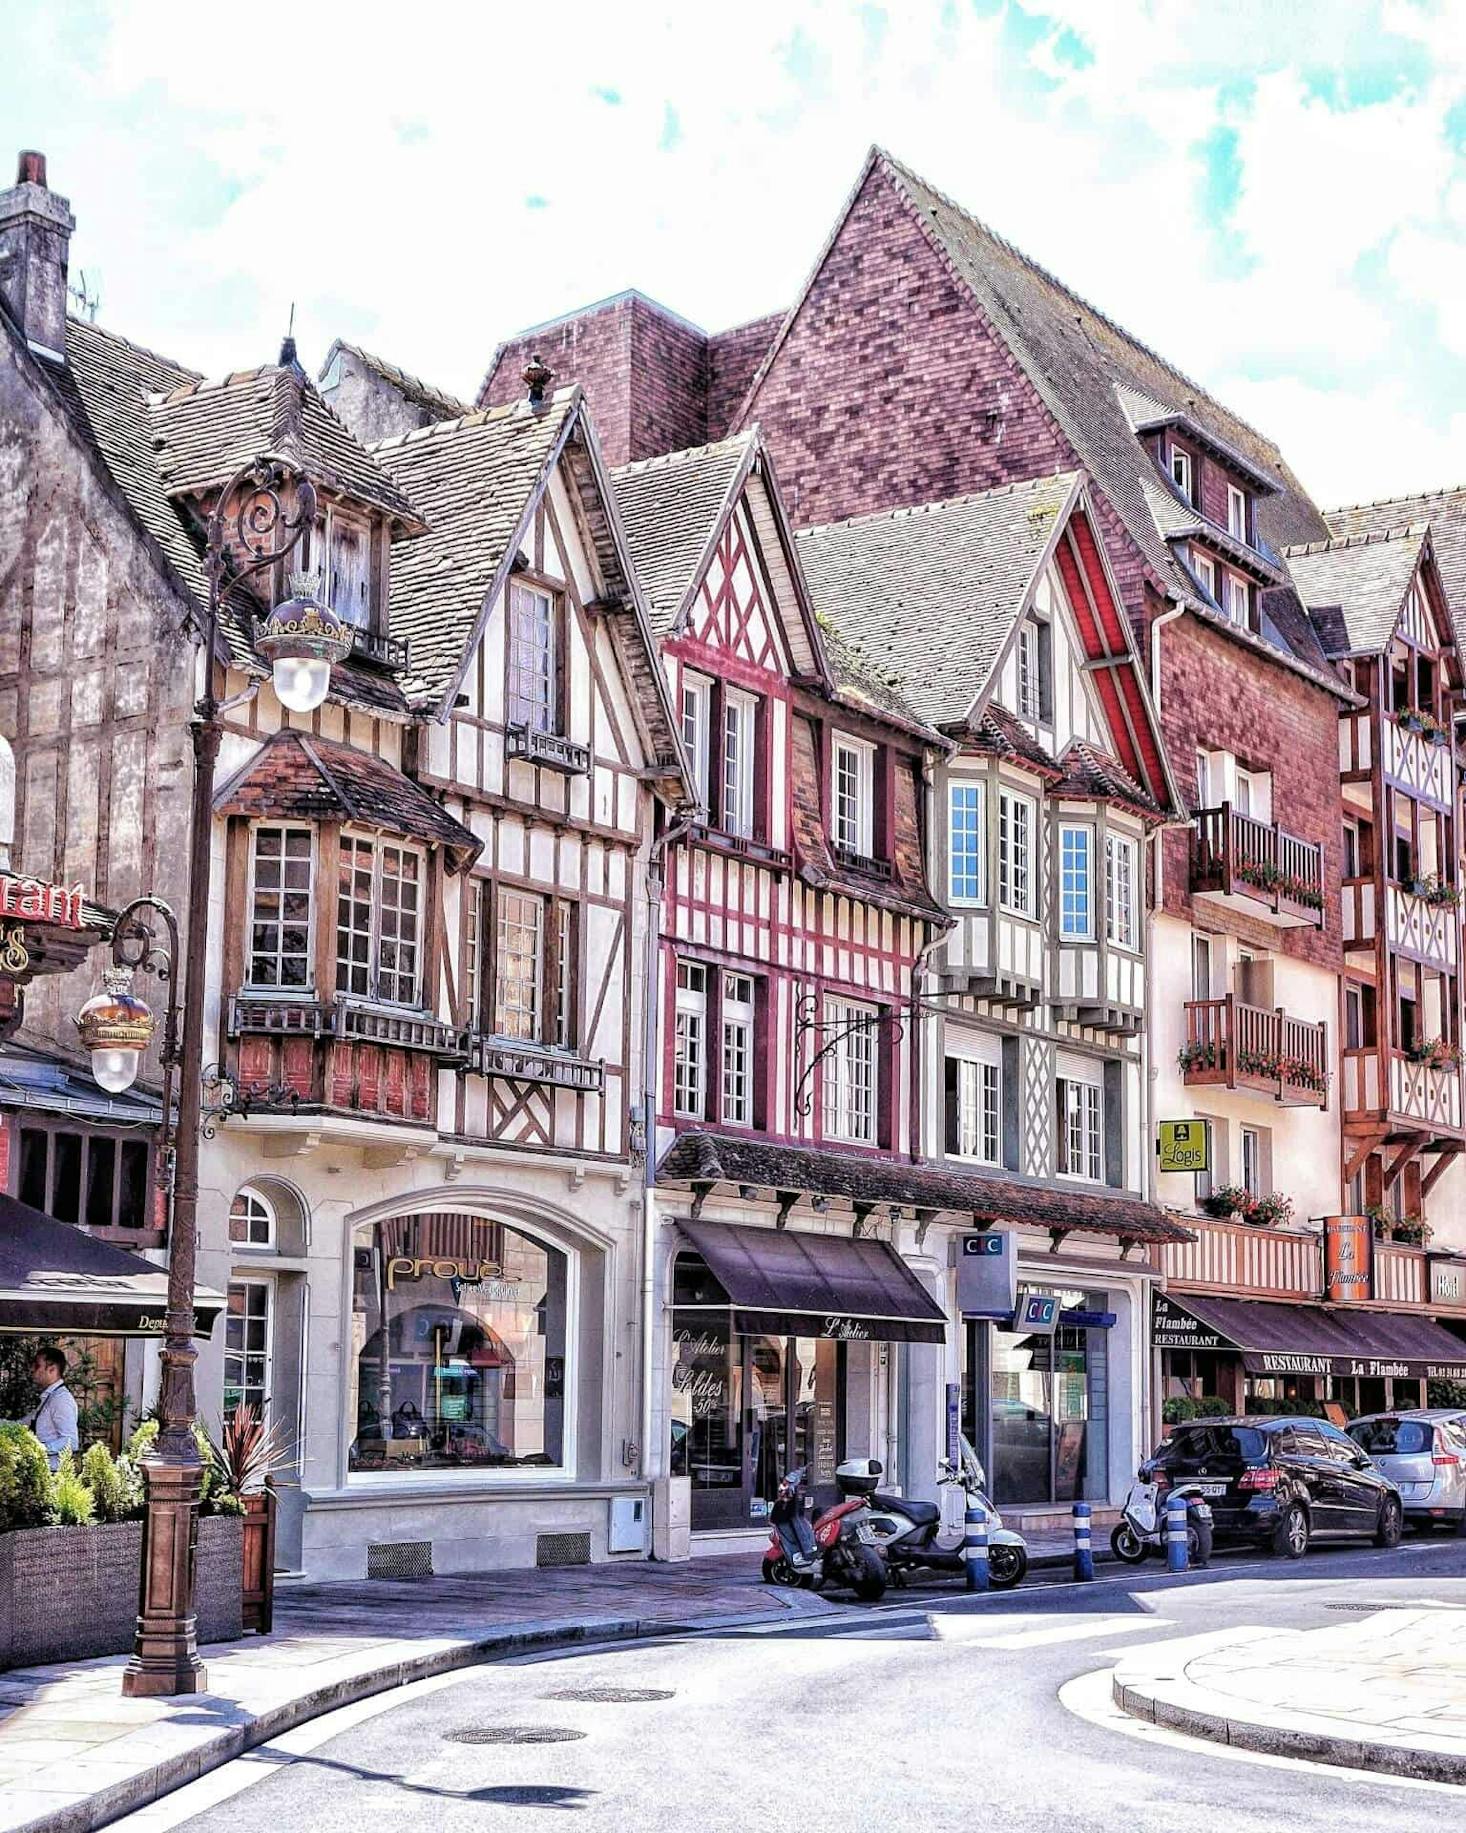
x=1281, y=1482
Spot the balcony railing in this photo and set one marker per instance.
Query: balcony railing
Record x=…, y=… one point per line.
x=518, y=1062
x=547, y=748
x=1426, y=1094
x=1233, y=1045
x=865, y=863
x=1257, y=866
x=1246, y=1262
x=258, y=1015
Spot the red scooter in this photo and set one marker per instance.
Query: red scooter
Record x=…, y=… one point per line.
x=840, y=1548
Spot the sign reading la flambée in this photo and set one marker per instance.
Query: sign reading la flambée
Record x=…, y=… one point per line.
x=31, y=900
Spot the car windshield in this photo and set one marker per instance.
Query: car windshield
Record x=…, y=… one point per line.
x=1196, y=1444
x=1391, y=1437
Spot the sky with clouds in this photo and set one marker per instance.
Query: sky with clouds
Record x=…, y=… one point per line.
x=1271, y=192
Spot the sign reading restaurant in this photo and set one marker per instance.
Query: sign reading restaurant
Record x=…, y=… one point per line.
x=31, y=900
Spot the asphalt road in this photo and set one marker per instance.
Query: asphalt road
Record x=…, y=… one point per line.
x=929, y=1711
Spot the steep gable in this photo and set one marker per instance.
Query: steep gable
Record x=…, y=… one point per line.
x=1445, y=513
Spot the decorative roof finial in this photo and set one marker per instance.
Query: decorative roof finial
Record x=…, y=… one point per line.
x=537, y=378
x=288, y=354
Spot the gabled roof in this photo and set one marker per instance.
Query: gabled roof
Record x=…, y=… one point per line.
x=301, y=776
x=1445, y=511
x=1091, y=775
x=674, y=509
x=927, y=598
x=206, y=431
x=1354, y=586
x=436, y=402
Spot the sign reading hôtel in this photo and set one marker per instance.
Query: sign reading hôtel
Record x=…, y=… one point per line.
x=31, y=900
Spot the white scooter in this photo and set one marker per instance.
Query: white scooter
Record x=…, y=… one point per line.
x=1141, y=1529
x=911, y=1537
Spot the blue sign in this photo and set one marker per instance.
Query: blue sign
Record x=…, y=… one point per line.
x=1039, y=1312
x=983, y=1244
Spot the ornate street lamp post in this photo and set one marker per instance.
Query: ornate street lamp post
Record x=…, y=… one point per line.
x=252, y=528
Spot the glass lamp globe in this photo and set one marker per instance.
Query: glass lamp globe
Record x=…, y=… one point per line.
x=116, y=1028
x=115, y=1070
x=301, y=682
x=302, y=639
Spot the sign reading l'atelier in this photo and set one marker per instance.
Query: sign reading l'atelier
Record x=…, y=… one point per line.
x=32, y=900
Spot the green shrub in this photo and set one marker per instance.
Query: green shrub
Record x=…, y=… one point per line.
x=1446, y=1394
x=214, y=1496
x=116, y=1484
x=25, y=1479
x=71, y=1501
x=1181, y=1407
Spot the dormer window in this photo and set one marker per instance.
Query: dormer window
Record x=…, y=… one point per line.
x=341, y=550
x=1236, y=513
x=1180, y=464
x=1204, y=567
x=853, y=812
x=1032, y=662
x=1238, y=601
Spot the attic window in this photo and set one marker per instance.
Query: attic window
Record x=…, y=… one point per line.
x=1180, y=464
x=1204, y=567
x=341, y=552
x=1236, y=513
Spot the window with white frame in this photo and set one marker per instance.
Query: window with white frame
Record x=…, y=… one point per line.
x=248, y=1330
x=1204, y=567
x=1203, y=779
x=1238, y=600
x=251, y=1218
x=1076, y=880
x=967, y=842
x=1029, y=661
x=519, y=941
x=1201, y=967
x=533, y=662
x=1180, y=463
x=689, y=1041
x=854, y=796
x=1081, y=1129
x=282, y=868
x=562, y=1016
x=974, y=1110
x=850, y=1072
x=697, y=703
x=1122, y=917
x=1236, y=513
x=738, y=1049
x=739, y=727
x=1254, y=1161
x=1016, y=889
x=519, y=964
x=379, y=920
x=477, y=893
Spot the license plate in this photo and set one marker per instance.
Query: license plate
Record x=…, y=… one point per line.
x=866, y=1533
x=1212, y=1489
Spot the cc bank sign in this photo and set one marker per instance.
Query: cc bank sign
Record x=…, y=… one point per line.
x=987, y=1274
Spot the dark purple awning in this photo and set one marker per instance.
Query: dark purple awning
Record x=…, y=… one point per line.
x=1275, y=1339
x=781, y=1282
x=57, y=1279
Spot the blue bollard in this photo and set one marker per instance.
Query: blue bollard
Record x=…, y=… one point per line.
x=1083, y=1547
x=975, y=1549
x=1176, y=1560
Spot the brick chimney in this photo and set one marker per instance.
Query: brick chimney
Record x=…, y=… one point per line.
x=35, y=239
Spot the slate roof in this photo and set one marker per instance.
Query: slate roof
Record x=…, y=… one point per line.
x=926, y=598
x=1003, y=734
x=435, y=401
x=670, y=508
x=1445, y=511
x=698, y=1157
x=1092, y=775
x=206, y=431
x=301, y=776
x=1354, y=585
x=474, y=478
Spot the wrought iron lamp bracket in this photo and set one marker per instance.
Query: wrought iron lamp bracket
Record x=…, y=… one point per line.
x=810, y=1025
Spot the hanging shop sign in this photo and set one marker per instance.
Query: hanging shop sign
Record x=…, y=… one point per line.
x=1348, y=1255
x=1038, y=1314
x=31, y=900
x=1447, y=1282
x=987, y=1274
x=1174, y=1328
x=1183, y=1145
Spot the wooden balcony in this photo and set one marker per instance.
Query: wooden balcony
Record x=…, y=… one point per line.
x=1256, y=1048
x=1246, y=1262
x=1387, y=1089
x=547, y=748
x=1257, y=867
x=1422, y=767
x=521, y=1062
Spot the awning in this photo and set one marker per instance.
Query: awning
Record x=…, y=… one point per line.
x=56, y=1279
x=1275, y=1339
x=780, y=1282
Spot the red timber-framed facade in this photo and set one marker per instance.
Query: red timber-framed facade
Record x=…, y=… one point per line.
x=794, y=912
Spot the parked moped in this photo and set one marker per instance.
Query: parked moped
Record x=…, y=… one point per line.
x=1141, y=1529
x=839, y=1547
x=912, y=1538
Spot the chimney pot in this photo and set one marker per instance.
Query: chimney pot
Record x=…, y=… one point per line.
x=31, y=169
x=287, y=352
x=537, y=378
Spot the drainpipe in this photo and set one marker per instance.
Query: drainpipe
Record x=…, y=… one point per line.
x=651, y=1031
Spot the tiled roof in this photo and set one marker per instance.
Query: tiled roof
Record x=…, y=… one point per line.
x=695, y=1158
x=927, y=598
x=435, y=401
x=670, y=508
x=859, y=681
x=1354, y=585
x=297, y=775
x=1003, y=734
x=475, y=480
x=1445, y=511
x=1094, y=776
x=206, y=431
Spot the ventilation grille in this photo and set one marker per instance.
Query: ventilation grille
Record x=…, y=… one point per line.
x=400, y=1559
x=562, y=1550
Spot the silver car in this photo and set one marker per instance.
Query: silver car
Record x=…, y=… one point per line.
x=1424, y=1453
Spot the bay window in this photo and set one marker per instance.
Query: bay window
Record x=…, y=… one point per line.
x=974, y=1112
x=967, y=843
x=1080, y=1129
x=281, y=870
x=1016, y=891
x=850, y=1072
x=852, y=808
x=1122, y=924
x=1076, y=881
x=379, y=920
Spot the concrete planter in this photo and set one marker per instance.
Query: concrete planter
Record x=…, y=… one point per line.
x=70, y=1593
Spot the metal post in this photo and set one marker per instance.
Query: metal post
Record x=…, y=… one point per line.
x=1083, y=1549
x=975, y=1549
x=1176, y=1512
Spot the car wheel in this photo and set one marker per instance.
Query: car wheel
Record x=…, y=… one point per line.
x=1292, y=1534
x=1391, y=1524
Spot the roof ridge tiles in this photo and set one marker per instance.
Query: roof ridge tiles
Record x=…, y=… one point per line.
x=1369, y=537
x=637, y=467
x=478, y=416
x=395, y=372
x=1406, y=496
x=910, y=176
x=903, y=511
x=128, y=343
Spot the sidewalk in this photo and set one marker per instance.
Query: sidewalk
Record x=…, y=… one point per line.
x=74, y=1754
x=1387, y=1692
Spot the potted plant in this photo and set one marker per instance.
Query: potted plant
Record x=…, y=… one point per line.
x=1410, y=719
x=1414, y=1231
x=247, y=1456
x=1199, y=1054
x=1435, y=890
x=1229, y=1200
x=1271, y=1211
x=1421, y=1050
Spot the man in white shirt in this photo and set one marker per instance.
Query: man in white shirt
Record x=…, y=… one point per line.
x=54, y=1420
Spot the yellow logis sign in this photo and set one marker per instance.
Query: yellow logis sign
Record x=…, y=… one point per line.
x=1183, y=1145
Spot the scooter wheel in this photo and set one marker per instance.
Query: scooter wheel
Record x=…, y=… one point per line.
x=1127, y=1545
x=780, y=1572
x=869, y=1582
x=1006, y=1566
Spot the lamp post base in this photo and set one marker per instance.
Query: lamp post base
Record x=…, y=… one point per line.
x=165, y=1657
